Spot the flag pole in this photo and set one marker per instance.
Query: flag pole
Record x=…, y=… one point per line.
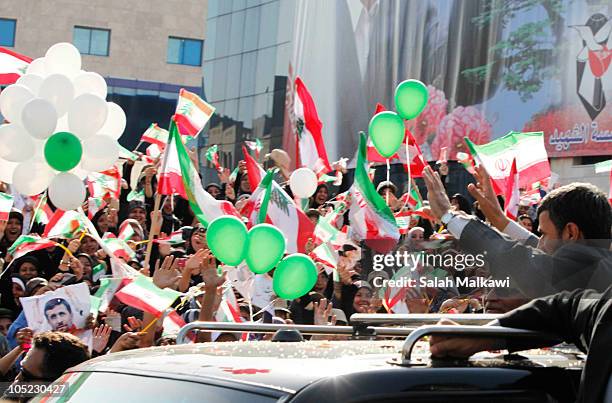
x=152, y=234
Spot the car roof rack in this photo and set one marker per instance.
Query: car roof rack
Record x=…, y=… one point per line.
x=367, y=333
x=420, y=319
x=470, y=331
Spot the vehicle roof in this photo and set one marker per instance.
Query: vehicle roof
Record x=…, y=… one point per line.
x=287, y=366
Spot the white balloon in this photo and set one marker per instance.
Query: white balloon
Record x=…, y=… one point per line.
x=31, y=178
x=37, y=67
x=67, y=191
x=63, y=58
x=12, y=100
x=39, y=118
x=303, y=182
x=6, y=170
x=15, y=144
x=39, y=151
x=90, y=83
x=62, y=124
x=87, y=115
x=31, y=82
x=57, y=89
x=79, y=171
x=99, y=153
x=115, y=121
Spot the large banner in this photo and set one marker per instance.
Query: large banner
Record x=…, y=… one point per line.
x=491, y=66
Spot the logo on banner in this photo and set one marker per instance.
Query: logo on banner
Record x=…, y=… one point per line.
x=592, y=62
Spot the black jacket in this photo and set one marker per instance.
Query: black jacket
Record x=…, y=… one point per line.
x=581, y=317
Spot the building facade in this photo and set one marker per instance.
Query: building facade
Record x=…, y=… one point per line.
x=146, y=50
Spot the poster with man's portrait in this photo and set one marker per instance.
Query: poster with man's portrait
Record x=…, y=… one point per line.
x=63, y=310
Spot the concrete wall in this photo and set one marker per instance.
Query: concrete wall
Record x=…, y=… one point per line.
x=568, y=173
x=139, y=33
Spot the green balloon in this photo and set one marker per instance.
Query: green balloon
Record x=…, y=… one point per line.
x=227, y=239
x=410, y=98
x=265, y=248
x=295, y=276
x=63, y=151
x=387, y=132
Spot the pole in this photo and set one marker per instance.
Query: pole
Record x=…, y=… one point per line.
x=152, y=233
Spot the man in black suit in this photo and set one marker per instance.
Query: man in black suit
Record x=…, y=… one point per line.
x=581, y=317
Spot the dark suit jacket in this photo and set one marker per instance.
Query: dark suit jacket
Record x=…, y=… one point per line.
x=536, y=274
x=581, y=317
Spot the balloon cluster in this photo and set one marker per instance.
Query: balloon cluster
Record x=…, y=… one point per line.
x=61, y=128
x=387, y=128
x=262, y=247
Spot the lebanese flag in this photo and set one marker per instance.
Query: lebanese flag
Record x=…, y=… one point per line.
x=179, y=175
x=105, y=183
x=512, y=194
x=28, y=243
x=371, y=219
x=192, y=113
x=155, y=135
x=282, y=210
x=12, y=66
x=6, y=204
x=142, y=294
x=605, y=166
x=174, y=238
x=409, y=151
x=311, y=151
x=65, y=224
x=526, y=148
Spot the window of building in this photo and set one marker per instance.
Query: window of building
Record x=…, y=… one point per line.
x=185, y=51
x=7, y=32
x=92, y=41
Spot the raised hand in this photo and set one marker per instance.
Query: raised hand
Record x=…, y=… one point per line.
x=168, y=275
x=439, y=203
x=210, y=277
x=127, y=341
x=133, y=325
x=24, y=337
x=487, y=200
x=322, y=313
x=101, y=334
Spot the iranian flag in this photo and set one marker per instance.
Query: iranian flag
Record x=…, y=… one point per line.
x=94, y=204
x=409, y=154
x=192, y=113
x=512, y=194
x=137, y=195
x=12, y=66
x=118, y=247
x=6, y=204
x=212, y=155
x=97, y=272
x=402, y=219
x=326, y=255
x=42, y=212
x=255, y=146
x=256, y=207
x=105, y=183
x=282, y=212
x=311, y=151
x=605, y=166
x=171, y=323
x=412, y=199
x=155, y=135
x=467, y=161
x=175, y=238
x=142, y=294
x=327, y=226
x=127, y=154
x=107, y=290
x=496, y=157
x=28, y=243
x=126, y=231
x=371, y=219
x=179, y=175
x=65, y=224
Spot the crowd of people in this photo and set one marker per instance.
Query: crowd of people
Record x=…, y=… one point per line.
x=561, y=242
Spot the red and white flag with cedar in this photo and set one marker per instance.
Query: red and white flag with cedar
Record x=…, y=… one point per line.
x=310, y=147
x=101, y=184
x=12, y=66
x=6, y=204
x=512, y=194
x=155, y=135
x=192, y=113
x=409, y=154
x=282, y=211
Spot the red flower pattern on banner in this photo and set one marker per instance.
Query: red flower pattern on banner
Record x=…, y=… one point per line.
x=426, y=123
x=463, y=121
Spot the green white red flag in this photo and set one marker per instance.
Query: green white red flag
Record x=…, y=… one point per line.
x=126, y=231
x=179, y=175
x=256, y=207
x=255, y=146
x=212, y=155
x=12, y=66
x=402, y=219
x=282, y=212
x=171, y=323
x=311, y=151
x=94, y=204
x=155, y=135
x=512, y=194
x=136, y=195
x=175, y=238
x=371, y=218
x=65, y=224
x=97, y=272
x=192, y=113
x=105, y=183
x=118, y=247
x=42, y=212
x=412, y=199
x=467, y=161
x=28, y=243
x=6, y=204
x=107, y=290
x=326, y=255
x=496, y=157
x=142, y=294
x=127, y=154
